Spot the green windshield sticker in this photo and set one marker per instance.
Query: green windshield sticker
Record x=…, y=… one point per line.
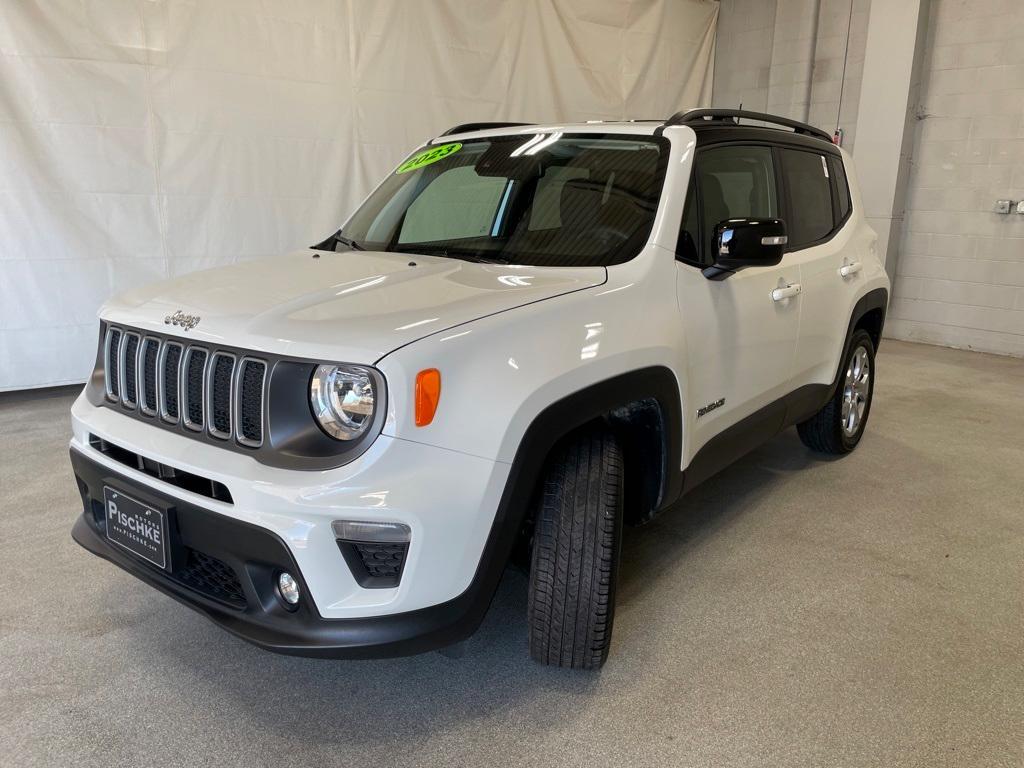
x=431, y=155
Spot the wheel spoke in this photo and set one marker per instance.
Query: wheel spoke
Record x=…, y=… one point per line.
x=855, y=391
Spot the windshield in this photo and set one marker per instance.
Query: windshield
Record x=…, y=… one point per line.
x=541, y=200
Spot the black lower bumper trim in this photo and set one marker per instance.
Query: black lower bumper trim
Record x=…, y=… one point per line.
x=257, y=556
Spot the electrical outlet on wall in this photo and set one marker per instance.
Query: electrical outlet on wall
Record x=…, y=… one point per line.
x=1003, y=206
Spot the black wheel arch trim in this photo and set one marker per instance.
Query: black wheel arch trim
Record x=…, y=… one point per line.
x=874, y=300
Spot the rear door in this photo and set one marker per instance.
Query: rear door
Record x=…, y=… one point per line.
x=818, y=206
x=741, y=343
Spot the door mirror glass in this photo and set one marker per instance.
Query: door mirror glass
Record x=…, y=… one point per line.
x=741, y=243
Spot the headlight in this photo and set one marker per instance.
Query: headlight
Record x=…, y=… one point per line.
x=342, y=399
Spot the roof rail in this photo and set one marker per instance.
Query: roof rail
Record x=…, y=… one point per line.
x=467, y=127
x=699, y=116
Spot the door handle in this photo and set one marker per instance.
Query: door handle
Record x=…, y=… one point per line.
x=849, y=269
x=786, y=292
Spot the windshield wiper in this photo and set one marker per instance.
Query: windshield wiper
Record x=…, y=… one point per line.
x=451, y=253
x=337, y=237
x=340, y=238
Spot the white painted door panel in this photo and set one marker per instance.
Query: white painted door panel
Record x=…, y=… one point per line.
x=825, y=296
x=741, y=343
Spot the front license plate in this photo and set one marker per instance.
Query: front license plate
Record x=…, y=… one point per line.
x=139, y=528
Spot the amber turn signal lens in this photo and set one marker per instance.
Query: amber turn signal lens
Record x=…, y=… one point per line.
x=428, y=393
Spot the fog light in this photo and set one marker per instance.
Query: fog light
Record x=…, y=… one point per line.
x=288, y=587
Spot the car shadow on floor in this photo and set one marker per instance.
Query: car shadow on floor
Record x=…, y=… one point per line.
x=492, y=671
x=716, y=503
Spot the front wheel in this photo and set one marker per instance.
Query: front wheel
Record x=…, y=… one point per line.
x=838, y=427
x=575, y=558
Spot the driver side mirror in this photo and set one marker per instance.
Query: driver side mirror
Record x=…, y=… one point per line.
x=741, y=243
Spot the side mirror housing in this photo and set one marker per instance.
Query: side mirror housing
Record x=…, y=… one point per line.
x=741, y=243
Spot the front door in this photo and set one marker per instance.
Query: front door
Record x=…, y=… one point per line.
x=741, y=339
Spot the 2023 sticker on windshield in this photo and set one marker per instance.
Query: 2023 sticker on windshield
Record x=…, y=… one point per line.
x=431, y=155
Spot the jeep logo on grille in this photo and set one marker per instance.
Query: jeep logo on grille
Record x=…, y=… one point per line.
x=185, y=322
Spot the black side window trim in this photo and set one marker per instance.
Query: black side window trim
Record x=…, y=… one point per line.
x=836, y=164
x=691, y=185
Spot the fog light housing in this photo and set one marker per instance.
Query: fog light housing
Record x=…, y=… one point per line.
x=375, y=552
x=288, y=588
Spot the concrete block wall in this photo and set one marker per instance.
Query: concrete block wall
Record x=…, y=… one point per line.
x=960, y=271
x=786, y=57
x=743, y=54
x=827, y=80
x=959, y=267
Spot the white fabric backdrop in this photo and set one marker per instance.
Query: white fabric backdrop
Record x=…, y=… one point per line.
x=140, y=139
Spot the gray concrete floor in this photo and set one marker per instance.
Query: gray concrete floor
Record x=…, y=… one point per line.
x=793, y=611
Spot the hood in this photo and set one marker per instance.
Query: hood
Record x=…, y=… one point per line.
x=353, y=307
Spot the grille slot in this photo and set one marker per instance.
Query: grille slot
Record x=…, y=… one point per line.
x=112, y=364
x=249, y=405
x=170, y=360
x=193, y=389
x=179, y=478
x=219, y=396
x=147, y=393
x=213, y=392
x=129, y=368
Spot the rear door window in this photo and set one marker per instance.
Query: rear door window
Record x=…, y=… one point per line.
x=810, y=197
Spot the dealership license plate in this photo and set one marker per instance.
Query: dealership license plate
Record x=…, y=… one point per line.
x=139, y=528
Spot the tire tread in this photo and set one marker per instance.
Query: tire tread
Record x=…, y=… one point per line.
x=575, y=553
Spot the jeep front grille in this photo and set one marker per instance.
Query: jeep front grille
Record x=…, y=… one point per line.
x=190, y=386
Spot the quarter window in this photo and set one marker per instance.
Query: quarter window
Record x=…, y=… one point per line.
x=842, y=187
x=810, y=197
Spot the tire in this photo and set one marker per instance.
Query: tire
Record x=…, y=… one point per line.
x=835, y=428
x=576, y=543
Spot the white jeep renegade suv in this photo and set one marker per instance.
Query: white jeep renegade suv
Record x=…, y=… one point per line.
x=525, y=336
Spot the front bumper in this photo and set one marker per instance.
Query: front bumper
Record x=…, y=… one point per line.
x=280, y=520
x=256, y=556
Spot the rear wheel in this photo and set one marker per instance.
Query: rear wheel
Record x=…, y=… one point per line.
x=837, y=428
x=575, y=557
